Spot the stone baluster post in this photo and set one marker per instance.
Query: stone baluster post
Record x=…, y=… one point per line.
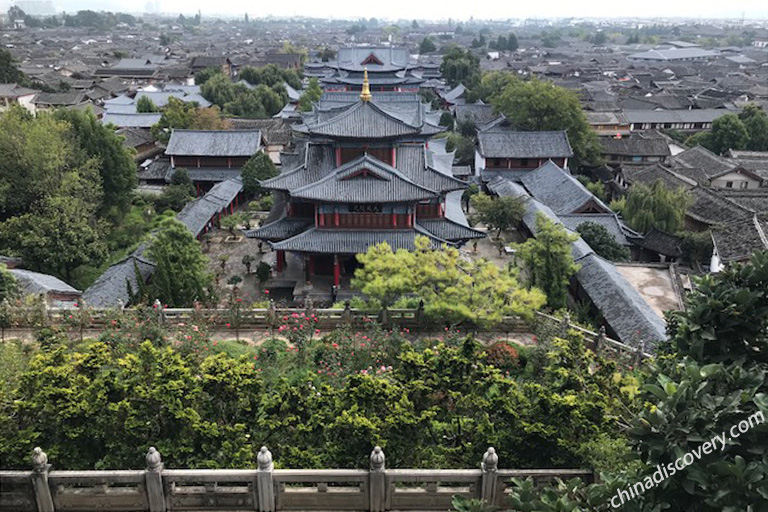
x=265, y=486
x=40, y=469
x=490, y=480
x=384, y=316
x=565, y=325
x=347, y=316
x=153, y=479
x=377, y=481
x=158, y=306
x=600, y=340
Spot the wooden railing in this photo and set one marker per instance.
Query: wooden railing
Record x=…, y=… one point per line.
x=263, y=489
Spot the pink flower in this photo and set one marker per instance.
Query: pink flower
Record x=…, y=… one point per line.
x=266, y=292
x=215, y=343
x=317, y=331
x=228, y=324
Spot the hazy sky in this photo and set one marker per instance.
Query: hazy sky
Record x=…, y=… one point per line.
x=441, y=9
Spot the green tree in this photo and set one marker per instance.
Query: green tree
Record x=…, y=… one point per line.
x=56, y=237
x=9, y=71
x=656, y=206
x=181, y=276
x=311, y=95
x=493, y=83
x=446, y=119
x=464, y=147
x=728, y=132
x=42, y=159
x=145, y=104
x=176, y=114
x=453, y=289
x=460, y=66
x=206, y=74
x=602, y=242
x=178, y=193
x=756, y=122
x=427, y=46
x=500, y=213
x=9, y=287
x=116, y=165
x=715, y=380
x=540, y=105
x=512, y=44
x=257, y=169
x=548, y=260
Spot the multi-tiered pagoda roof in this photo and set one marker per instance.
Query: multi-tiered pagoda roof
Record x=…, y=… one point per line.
x=364, y=174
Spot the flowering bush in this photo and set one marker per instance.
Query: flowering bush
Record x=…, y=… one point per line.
x=502, y=355
x=299, y=329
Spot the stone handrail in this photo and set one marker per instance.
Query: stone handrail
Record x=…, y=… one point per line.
x=227, y=319
x=264, y=489
x=599, y=341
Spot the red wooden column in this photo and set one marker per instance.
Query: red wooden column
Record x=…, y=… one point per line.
x=338, y=157
x=280, y=261
x=336, y=219
x=394, y=220
x=336, y=270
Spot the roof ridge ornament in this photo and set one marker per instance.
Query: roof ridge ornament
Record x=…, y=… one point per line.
x=365, y=95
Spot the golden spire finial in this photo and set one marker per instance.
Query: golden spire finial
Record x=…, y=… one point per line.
x=366, y=94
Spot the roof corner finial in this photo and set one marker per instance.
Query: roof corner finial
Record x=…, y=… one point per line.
x=366, y=94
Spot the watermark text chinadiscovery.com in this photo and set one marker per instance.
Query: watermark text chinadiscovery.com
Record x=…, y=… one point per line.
x=666, y=471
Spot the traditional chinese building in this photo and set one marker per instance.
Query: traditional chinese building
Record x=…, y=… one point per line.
x=388, y=67
x=364, y=175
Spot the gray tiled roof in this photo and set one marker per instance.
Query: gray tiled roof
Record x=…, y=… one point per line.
x=675, y=116
x=383, y=184
x=119, y=282
x=366, y=120
x=511, y=144
x=210, y=174
x=347, y=241
x=663, y=243
x=713, y=209
x=650, y=174
x=704, y=161
x=280, y=229
x=198, y=213
x=739, y=239
x=131, y=120
x=415, y=162
x=446, y=229
x=317, y=162
x=635, y=146
x=37, y=283
x=623, y=308
x=221, y=143
x=391, y=57
x=609, y=221
x=559, y=190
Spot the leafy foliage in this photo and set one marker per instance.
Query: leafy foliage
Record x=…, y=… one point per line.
x=145, y=104
x=602, y=242
x=427, y=46
x=453, y=289
x=99, y=142
x=187, y=115
x=656, y=206
x=540, y=105
x=500, y=213
x=181, y=276
x=311, y=95
x=548, y=260
x=460, y=66
x=258, y=168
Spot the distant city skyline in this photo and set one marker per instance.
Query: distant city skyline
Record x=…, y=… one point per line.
x=484, y=9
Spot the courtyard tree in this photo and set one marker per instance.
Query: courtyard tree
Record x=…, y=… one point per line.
x=500, y=213
x=257, y=169
x=656, y=206
x=454, y=289
x=311, y=95
x=181, y=276
x=548, y=260
x=602, y=242
x=728, y=132
x=146, y=105
x=539, y=105
x=116, y=165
